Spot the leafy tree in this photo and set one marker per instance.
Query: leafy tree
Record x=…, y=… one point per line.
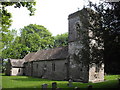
x=8, y=41
x=61, y=40
x=15, y=50
x=5, y=18
x=109, y=31
x=112, y=37
x=5, y=23
x=36, y=37
x=33, y=38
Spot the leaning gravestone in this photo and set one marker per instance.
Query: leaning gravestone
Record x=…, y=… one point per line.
x=44, y=87
x=54, y=86
x=90, y=87
x=70, y=83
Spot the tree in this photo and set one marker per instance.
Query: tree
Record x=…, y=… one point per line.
x=112, y=37
x=109, y=31
x=5, y=19
x=5, y=22
x=6, y=16
x=33, y=38
x=15, y=50
x=36, y=37
x=8, y=40
x=61, y=40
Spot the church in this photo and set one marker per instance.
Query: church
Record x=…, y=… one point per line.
x=77, y=61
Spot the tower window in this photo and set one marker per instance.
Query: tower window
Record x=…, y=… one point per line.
x=77, y=26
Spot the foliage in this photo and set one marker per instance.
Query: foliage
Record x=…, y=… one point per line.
x=30, y=82
x=7, y=39
x=6, y=16
x=112, y=37
x=36, y=37
x=33, y=38
x=6, y=19
x=5, y=22
x=61, y=40
x=108, y=30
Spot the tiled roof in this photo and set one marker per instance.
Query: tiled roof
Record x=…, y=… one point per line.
x=50, y=54
x=17, y=62
x=28, y=56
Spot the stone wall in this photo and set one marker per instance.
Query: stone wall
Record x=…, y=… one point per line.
x=28, y=68
x=50, y=69
x=16, y=71
x=96, y=74
x=78, y=62
x=85, y=56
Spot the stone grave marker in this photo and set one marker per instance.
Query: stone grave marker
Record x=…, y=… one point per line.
x=54, y=86
x=44, y=87
x=70, y=83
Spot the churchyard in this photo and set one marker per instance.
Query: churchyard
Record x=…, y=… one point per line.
x=24, y=82
x=84, y=62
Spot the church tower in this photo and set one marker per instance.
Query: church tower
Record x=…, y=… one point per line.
x=84, y=66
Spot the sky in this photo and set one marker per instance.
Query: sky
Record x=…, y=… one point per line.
x=52, y=14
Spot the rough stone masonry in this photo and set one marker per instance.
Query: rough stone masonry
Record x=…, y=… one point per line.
x=84, y=64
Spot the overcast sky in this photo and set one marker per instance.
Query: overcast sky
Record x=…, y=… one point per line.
x=52, y=14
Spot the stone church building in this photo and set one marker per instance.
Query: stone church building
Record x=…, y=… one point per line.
x=77, y=61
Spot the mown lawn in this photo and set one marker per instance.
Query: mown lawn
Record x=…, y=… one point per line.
x=16, y=82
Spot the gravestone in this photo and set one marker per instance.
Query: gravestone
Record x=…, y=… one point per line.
x=54, y=86
x=119, y=81
x=70, y=83
x=44, y=87
x=90, y=87
x=76, y=88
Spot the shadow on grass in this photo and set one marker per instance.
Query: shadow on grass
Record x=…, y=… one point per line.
x=29, y=79
x=2, y=74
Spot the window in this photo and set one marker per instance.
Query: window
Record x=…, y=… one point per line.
x=36, y=65
x=77, y=26
x=45, y=67
x=19, y=70
x=53, y=66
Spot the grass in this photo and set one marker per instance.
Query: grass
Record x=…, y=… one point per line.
x=17, y=82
